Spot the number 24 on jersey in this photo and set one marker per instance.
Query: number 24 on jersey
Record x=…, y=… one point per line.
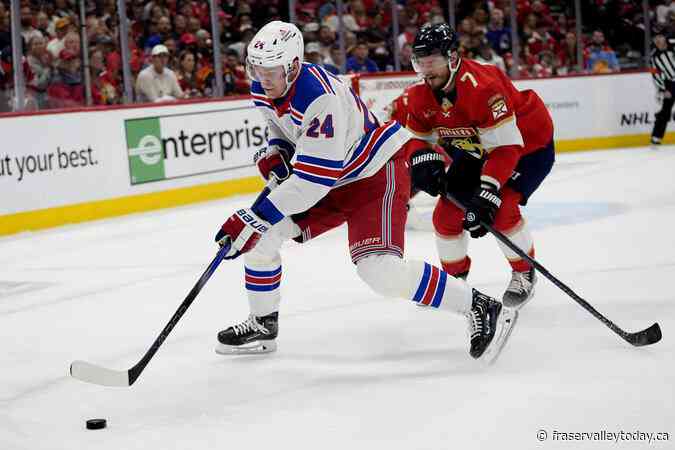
x=316, y=128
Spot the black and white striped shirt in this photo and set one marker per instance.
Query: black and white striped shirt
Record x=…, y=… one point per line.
x=663, y=63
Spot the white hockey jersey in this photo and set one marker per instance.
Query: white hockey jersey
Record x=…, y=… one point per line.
x=332, y=137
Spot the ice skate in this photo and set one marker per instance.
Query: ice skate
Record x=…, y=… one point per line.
x=490, y=325
x=254, y=335
x=521, y=289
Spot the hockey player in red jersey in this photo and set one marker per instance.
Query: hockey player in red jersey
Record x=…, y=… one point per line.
x=501, y=144
x=337, y=164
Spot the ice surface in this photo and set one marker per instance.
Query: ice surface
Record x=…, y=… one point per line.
x=353, y=370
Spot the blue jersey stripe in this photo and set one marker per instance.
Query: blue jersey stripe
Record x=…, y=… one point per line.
x=262, y=273
x=333, y=164
x=442, y=279
x=284, y=144
x=314, y=179
x=307, y=89
x=266, y=210
x=373, y=151
x=257, y=288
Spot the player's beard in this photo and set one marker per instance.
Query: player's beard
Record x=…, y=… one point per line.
x=436, y=82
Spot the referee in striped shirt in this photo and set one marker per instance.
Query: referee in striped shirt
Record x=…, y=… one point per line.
x=663, y=72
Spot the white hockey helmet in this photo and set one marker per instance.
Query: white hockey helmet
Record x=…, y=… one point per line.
x=276, y=44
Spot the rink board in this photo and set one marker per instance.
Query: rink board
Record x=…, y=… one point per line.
x=71, y=167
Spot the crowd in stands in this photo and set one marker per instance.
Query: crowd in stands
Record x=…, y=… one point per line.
x=171, y=51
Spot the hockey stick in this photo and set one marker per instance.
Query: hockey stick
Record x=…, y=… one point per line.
x=641, y=338
x=92, y=373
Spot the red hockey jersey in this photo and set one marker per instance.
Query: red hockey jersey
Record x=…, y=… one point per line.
x=485, y=115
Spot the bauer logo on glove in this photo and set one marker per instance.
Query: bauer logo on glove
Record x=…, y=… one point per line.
x=253, y=221
x=243, y=230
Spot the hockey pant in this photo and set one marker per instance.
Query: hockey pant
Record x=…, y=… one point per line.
x=375, y=212
x=452, y=240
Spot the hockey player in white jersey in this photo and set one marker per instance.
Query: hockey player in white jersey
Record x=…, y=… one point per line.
x=335, y=163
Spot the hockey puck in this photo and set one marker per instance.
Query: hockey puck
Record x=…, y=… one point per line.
x=96, y=424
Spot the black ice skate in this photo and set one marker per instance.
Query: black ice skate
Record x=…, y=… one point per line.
x=521, y=289
x=490, y=326
x=254, y=335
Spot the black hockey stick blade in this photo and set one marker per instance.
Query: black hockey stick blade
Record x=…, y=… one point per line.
x=648, y=336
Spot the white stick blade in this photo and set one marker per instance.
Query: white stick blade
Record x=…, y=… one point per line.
x=92, y=373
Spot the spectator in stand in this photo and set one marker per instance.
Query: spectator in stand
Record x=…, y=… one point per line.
x=358, y=10
x=187, y=74
x=179, y=26
x=498, y=35
x=408, y=35
x=547, y=65
x=234, y=75
x=480, y=20
x=5, y=35
x=663, y=10
x=40, y=62
x=326, y=42
x=567, y=55
x=106, y=88
x=227, y=33
x=310, y=32
x=164, y=28
x=67, y=90
x=71, y=43
x=61, y=28
x=359, y=62
x=27, y=30
x=336, y=59
x=96, y=62
x=487, y=55
x=348, y=20
x=171, y=45
x=204, y=47
x=193, y=25
x=601, y=58
x=540, y=40
x=43, y=25
x=406, y=58
x=313, y=53
x=157, y=83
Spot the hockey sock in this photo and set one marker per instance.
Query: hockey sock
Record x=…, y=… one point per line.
x=521, y=236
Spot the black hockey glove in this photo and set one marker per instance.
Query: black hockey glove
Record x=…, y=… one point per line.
x=482, y=208
x=427, y=171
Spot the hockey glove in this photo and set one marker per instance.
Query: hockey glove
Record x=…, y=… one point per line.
x=243, y=230
x=427, y=171
x=482, y=208
x=272, y=164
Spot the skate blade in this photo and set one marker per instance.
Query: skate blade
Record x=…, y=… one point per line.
x=253, y=348
x=507, y=320
x=517, y=306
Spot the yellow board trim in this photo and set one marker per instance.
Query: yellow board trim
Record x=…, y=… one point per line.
x=101, y=209
x=82, y=212
x=604, y=143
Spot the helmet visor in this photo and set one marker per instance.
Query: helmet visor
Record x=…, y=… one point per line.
x=260, y=73
x=430, y=63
